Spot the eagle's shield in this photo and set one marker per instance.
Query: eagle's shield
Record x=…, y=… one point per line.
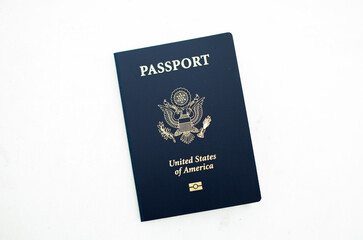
x=185, y=124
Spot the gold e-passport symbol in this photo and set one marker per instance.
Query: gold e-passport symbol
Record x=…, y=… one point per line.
x=195, y=186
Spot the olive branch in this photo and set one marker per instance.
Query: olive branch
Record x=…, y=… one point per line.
x=165, y=132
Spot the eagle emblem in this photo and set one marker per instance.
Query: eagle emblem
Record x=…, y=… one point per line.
x=184, y=114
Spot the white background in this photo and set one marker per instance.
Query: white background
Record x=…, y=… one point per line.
x=65, y=170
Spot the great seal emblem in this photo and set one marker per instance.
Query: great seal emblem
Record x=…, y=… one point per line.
x=183, y=114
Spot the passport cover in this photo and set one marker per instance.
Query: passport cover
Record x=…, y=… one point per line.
x=187, y=127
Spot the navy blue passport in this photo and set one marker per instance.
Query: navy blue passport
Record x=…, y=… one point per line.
x=187, y=127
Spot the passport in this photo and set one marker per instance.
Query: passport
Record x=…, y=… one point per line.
x=187, y=127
